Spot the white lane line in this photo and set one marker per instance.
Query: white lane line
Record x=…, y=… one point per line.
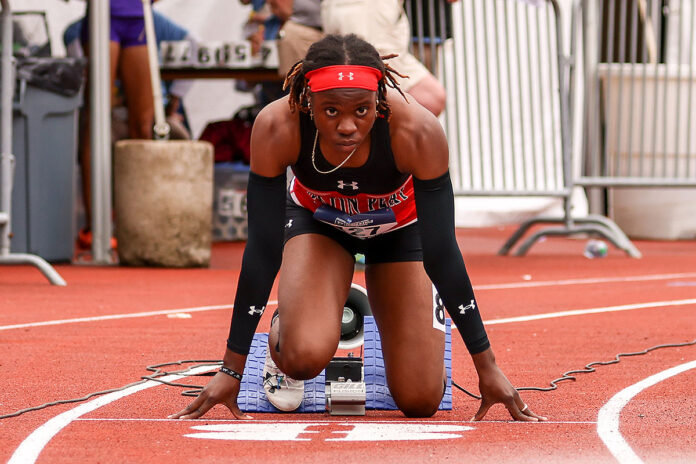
x=138, y=419
x=526, y=284
x=578, y=312
x=31, y=447
x=531, y=317
x=114, y=316
x=108, y=317
x=608, y=418
x=588, y=281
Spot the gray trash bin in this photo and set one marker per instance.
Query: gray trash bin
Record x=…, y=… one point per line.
x=44, y=143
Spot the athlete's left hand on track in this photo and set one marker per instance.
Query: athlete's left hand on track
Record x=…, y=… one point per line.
x=496, y=388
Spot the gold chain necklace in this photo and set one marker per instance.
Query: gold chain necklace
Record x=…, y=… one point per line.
x=314, y=148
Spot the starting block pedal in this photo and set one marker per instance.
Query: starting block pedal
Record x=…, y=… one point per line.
x=252, y=397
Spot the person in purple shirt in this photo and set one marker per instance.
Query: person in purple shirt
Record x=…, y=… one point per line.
x=129, y=62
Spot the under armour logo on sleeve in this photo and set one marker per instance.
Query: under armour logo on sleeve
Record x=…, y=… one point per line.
x=463, y=308
x=253, y=311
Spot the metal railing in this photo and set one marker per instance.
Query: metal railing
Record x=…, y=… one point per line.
x=507, y=118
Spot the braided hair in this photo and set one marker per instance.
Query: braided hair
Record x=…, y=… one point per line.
x=337, y=49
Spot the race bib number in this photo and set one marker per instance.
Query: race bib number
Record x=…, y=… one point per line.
x=363, y=225
x=439, y=322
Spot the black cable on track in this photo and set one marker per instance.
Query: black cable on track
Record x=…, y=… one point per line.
x=194, y=390
x=586, y=370
x=155, y=376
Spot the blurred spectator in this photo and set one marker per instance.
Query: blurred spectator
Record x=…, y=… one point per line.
x=129, y=61
x=231, y=137
x=263, y=24
x=388, y=29
x=301, y=28
x=172, y=91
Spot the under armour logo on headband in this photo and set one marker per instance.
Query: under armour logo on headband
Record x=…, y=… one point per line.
x=344, y=77
x=340, y=76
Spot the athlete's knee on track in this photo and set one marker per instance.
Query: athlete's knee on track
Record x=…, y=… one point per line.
x=418, y=400
x=305, y=360
x=419, y=407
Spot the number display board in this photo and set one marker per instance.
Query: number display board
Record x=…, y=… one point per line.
x=185, y=54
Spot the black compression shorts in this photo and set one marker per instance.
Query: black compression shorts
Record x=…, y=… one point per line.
x=401, y=245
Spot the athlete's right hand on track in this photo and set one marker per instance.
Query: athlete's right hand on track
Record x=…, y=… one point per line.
x=222, y=389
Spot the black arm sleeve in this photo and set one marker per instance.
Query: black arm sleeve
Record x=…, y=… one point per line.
x=262, y=257
x=443, y=261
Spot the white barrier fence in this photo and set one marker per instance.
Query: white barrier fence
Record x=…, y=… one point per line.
x=508, y=118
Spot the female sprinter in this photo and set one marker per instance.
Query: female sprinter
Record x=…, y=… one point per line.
x=370, y=176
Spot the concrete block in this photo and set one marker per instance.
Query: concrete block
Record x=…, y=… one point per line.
x=163, y=196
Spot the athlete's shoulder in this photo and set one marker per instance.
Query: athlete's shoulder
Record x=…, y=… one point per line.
x=277, y=119
x=275, y=137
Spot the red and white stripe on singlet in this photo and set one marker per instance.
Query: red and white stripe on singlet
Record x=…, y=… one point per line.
x=401, y=201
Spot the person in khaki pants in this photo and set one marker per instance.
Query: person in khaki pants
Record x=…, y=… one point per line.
x=385, y=25
x=301, y=28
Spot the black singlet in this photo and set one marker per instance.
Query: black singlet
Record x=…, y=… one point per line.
x=362, y=201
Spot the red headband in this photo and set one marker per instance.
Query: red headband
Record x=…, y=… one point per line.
x=343, y=76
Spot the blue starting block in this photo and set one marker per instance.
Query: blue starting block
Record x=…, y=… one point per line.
x=252, y=397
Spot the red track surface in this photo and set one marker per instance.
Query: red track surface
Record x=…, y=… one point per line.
x=46, y=363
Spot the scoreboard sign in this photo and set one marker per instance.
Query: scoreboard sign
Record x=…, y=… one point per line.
x=185, y=54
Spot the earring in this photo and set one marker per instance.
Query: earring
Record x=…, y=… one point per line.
x=311, y=113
